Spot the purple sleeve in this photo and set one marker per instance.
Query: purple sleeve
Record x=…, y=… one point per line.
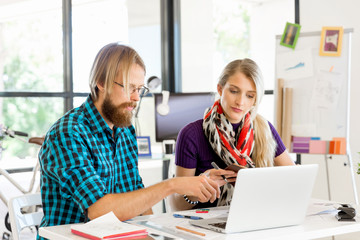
x=186, y=154
x=280, y=148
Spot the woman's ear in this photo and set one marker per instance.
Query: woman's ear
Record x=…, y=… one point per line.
x=219, y=89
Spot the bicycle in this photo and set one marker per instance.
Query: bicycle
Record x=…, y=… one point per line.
x=4, y=132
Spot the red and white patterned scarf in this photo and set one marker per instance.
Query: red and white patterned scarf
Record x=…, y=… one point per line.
x=231, y=147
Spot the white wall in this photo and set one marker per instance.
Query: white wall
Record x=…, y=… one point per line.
x=316, y=14
x=266, y=23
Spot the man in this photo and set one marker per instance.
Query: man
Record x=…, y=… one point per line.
x=89, y=158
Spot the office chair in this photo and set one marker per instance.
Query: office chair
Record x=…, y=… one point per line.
x=21, y=219
x=171, y=174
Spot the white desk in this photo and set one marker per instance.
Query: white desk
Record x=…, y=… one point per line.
x=314, y=226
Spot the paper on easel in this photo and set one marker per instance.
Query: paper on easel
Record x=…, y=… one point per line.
x=108, y=227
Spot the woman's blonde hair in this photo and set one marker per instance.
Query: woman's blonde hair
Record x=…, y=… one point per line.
x=265, y=145
x=111, y=60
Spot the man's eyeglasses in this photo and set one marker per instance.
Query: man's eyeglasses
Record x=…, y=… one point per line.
x=141, y=90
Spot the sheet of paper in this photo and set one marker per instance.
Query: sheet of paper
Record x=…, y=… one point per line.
x=327, y=88
x=295, y=65
x=168, y=223
x=171, y=223
x=322, y=207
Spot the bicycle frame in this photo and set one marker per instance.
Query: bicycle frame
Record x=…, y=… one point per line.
x=17, y=185
x=14, y=134
x=34, y=140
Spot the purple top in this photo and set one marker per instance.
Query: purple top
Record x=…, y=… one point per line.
x=193, y=149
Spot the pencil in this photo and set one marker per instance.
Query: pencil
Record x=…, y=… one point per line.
x=217, y=167
x=190, y=231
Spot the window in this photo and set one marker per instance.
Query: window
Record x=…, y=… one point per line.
x=34, y=91
x=30, y=65
x=224, y=30
x=96, y=23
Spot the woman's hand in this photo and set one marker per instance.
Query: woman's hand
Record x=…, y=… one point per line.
x=216, y=175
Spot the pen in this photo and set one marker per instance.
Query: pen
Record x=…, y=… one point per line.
x=217, y=167
x=187, y=216
x=190, y=231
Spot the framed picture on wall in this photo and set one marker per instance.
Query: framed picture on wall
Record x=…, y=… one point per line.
x=331, y=41
x=144, y=146
x=290, y=35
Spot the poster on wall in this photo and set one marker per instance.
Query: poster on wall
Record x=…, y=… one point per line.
x=290, y=35
x=331, y=41
x=144, y=146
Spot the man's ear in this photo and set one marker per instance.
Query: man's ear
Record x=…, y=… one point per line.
x=100, y=87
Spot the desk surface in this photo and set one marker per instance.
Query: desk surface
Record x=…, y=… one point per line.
x=314, y=226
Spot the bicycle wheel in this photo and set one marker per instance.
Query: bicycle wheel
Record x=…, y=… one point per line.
x=7, y=222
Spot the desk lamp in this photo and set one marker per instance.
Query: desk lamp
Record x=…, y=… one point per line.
x=153, y=82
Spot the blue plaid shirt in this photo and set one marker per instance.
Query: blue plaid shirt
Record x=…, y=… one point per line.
x=81, y=162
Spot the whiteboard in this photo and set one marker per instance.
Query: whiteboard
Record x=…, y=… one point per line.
x=320, y=101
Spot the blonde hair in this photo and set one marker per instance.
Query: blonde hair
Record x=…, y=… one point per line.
x=265, y=145
x=111, y=60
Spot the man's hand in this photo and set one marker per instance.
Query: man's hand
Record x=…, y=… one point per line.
x=202, y=187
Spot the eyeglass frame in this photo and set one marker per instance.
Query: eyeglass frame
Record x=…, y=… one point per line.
x=132, y=90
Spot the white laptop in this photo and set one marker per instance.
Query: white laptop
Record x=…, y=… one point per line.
x=266, y=198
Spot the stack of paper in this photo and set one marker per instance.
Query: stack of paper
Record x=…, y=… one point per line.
x=108, y=227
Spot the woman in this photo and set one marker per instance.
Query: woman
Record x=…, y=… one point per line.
x=231, y=132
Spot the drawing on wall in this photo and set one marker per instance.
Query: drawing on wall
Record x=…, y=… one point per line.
x=326, y=92
x=331, y=41
x=290, y=35
x=295, y=65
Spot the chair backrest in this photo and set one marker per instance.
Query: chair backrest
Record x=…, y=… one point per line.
x=171, y=174
x=21, y=218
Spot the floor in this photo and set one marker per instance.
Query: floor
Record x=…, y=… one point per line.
x=8, y=190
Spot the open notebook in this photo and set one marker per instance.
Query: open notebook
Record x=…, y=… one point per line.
x=266, y=198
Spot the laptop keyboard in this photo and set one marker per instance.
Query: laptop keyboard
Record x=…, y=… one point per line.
x=219, y=225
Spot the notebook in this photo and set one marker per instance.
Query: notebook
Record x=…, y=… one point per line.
x=108, y=227
x=266, y=198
